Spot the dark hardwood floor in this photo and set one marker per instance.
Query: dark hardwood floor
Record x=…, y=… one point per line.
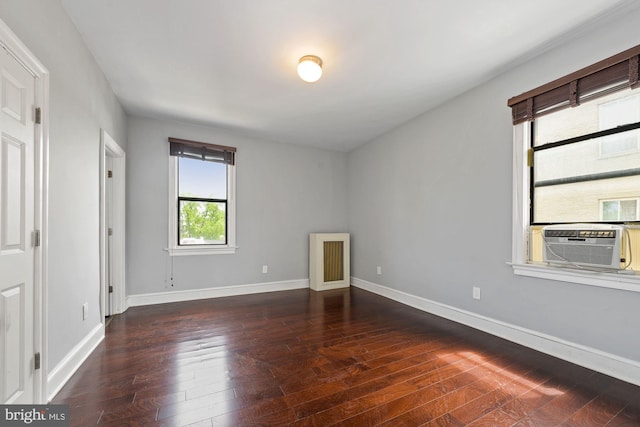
x=344, y=357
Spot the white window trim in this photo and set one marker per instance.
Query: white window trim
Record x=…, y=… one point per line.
x=624, y=280
x=174, y=249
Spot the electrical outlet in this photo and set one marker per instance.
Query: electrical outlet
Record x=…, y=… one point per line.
x=378, y=270
x=476, y=292
x=85, y=311
x=265, y=269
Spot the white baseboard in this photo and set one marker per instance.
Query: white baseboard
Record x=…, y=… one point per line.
x=59, y=375
x=618, y=367
x=225, y=291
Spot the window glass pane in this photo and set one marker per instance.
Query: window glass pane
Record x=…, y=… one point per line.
x=202, y=223
x=615, y=113
x=604, y=113
x=582, y=158
x=613, y=145
x=618, y=112
x=628, y=210
x=197, y=178
x=610, y=210
x=571, y=181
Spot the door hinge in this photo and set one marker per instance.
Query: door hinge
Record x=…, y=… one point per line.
x=109, y=174
x=36, y=361
x=530, y=157
x=110, y=289
x=38, y=118
x=36, y=238
x=110, y=231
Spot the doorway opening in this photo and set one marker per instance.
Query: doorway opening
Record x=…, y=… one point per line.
x=112, y=227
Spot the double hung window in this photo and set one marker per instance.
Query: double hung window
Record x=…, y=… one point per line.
x=202, y=198
x=577, y=154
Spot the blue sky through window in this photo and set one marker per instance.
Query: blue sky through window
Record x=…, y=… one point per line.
x=202, y=179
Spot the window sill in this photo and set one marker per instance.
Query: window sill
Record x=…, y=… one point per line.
x=629, y=281
x=202, y=250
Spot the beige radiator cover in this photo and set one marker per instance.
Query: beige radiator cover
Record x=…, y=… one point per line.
x=329, y=255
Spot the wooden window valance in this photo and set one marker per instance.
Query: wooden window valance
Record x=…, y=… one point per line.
x=602, y=78
x=202, y=151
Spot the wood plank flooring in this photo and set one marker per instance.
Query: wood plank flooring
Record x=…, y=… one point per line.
x=344, y=357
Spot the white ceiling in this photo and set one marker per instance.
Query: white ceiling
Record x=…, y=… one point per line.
x=232, y=63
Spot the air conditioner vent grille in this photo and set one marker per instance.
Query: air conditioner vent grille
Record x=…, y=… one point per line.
x=588, y=245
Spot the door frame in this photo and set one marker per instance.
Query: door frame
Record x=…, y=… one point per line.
x=110, y=148
x=12, y=44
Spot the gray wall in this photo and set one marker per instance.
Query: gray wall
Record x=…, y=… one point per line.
x=81, y=102
x=284, y=192
x=431, y=203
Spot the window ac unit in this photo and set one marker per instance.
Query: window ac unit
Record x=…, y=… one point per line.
x=588, y=245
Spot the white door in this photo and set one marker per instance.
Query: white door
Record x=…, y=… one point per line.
x=17, y=144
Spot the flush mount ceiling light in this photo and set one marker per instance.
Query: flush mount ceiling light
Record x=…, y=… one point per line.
x=310, y=68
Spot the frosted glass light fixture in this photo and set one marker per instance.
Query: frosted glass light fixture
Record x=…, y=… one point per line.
x=310, y=68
